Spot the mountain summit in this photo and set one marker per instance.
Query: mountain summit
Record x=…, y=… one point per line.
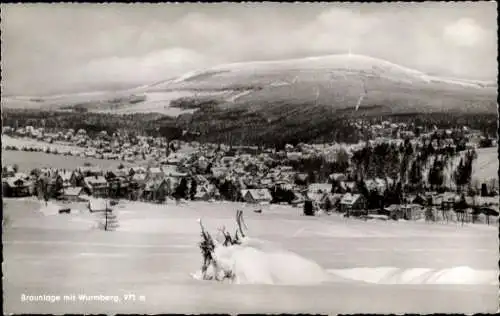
x=334, y=82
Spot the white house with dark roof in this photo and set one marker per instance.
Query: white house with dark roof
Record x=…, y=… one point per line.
x=138, y=170
x=205, y=192
x=96, y=185
x=350, y=202
x=73, y=194
x=155, y=173
x=257, y=196
x=8, y=171
x=319, y=187
x=91, y=171
x=139, y=178
x=16, y=187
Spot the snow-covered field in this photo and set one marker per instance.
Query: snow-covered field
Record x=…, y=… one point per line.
x=158, y=102
x=374, y=266
x=485, y=167
x=20, y=142
x=28, y=161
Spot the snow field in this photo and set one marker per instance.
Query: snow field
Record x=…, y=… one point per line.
x=285, y=265
x=393, y=275
x=302, y=252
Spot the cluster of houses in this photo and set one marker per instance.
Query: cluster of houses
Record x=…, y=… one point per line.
x=135, y=183
x=139, y=148
x=414, y=206
x=148, y=148
x=102, y=146
x=257, y=174
x=91, y=181
x=155, y=184
x=77, y=137
x=438, y=138
x=390, y=130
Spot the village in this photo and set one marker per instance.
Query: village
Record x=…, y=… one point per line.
x=319, y=178
x=262, y=158
x=132, y=148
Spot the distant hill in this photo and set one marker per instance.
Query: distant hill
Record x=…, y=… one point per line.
x=291, y=95
x=337, y=81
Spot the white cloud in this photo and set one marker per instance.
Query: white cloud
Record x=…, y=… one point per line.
x=81, y=46
x=336, y=29
x=156, y=65
x=464, y=32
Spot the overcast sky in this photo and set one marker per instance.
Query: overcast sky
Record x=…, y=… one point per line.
x=76, y=47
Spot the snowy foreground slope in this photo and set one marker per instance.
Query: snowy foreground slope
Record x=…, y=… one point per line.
x=390, y=267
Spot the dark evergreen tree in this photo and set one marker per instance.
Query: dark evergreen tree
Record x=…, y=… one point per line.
x=209, y=168
x=374, y=199
x=463, y=173
x=394, y=194
x=341, y=161
x=362, y=189
x=308, y=208
x=193, y=189
x=415, y=175
x=223, y=188
x=429, y=150
x=429, y=212
x=336, y=187
x=484, y=189
x=56, y=187
x=328, y=204
x=436, y=174
x=181, y=190
x=311, y=177
x=161, y=194
x=460, y=208
x=459, y=174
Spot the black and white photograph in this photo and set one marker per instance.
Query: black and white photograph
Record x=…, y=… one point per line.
x=254, y=157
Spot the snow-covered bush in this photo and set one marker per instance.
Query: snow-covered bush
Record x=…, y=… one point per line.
x=242, y=260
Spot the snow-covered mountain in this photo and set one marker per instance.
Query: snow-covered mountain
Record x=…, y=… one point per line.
x=287, y=71
x=333, y=81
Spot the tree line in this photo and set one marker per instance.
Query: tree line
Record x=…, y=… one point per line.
x=239, y=126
